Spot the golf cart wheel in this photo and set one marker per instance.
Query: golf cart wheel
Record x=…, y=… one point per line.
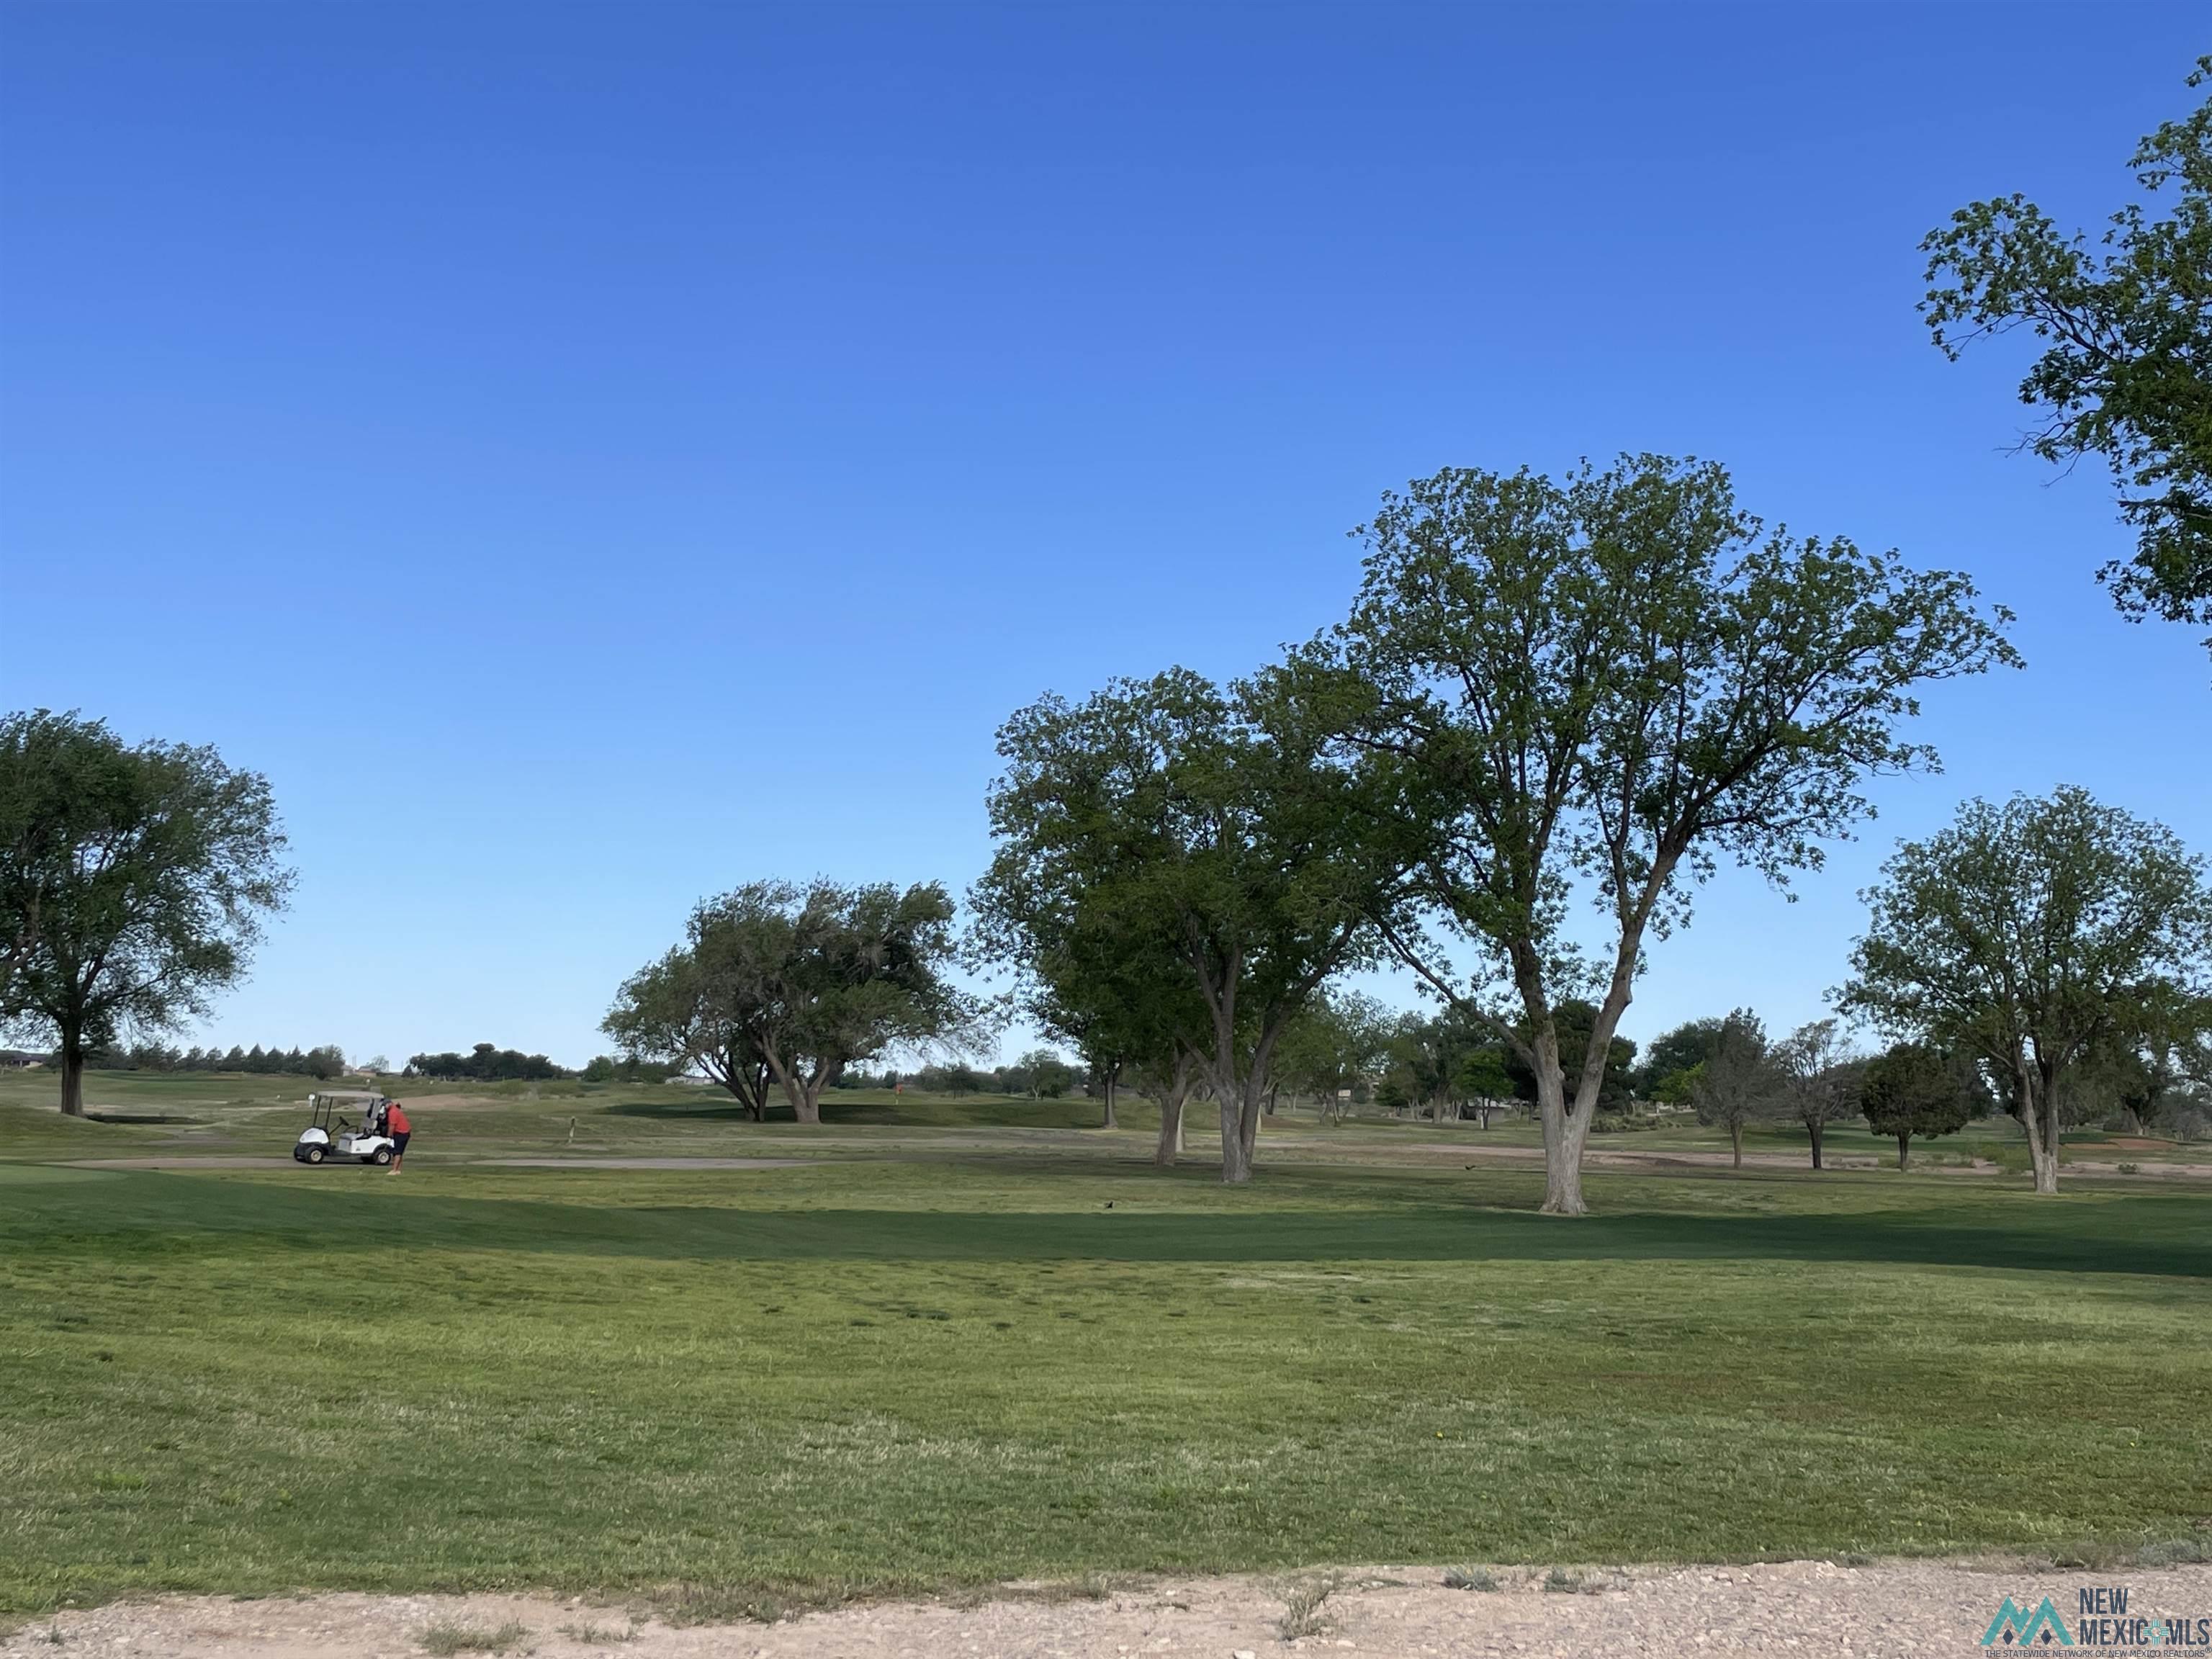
x=381, y=1155
x=313, y=1155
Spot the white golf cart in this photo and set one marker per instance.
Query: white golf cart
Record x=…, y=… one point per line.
x=328, y=1135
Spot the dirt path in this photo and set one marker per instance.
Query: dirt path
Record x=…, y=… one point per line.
x=1917, y=1608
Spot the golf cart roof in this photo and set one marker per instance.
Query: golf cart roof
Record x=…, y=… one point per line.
x=336, y=1094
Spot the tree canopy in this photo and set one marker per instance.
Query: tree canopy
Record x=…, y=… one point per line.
x=1916, y=1090
x=777, y=983
x=137, y=882
x=2126, y=369
x=2027, y=932
x=1207, y=822
x=1819, y=1079
x=1740, y=1083
x=1599, y=687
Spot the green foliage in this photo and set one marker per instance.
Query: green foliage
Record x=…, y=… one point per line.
x=1604, y=685
x=779, y=983
x=485, y=1063
x=1572, y=1022
x=1739, y=1084
x=1673, y=1055
x=135, y=884
x=2124, y=373
x=2027, y=933
x=1915, y=1089
x=1195, y=826
x=1338, y=1041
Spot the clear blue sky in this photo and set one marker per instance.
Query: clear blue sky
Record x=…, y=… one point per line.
x=590, y=456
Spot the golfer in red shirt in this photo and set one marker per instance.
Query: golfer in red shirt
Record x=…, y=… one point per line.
x=396, y=1126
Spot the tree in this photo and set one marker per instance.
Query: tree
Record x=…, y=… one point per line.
x=697, y=1006
x=1672, y=1057
x=1212, y=818
x=1738, y=1084
x=2141, y=1073
x=2024, y=935
x=1042, y=1075
x=2127, y=371
x=779, y=982
x=1915, y=1089
x=1484, y=1079
x=1335, y=1043
x=1601, y=686
x=1098, y=963
x=1820, y=1078
x=149, y=884
x=53, y=773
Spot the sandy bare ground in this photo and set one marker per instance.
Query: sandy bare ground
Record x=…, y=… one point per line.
x=1917, y=1608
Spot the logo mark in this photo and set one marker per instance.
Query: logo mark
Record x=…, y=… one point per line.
x=2011, y=1624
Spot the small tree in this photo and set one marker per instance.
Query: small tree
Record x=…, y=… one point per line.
x=1484, y=1080
x=147, y=889
x=1819, y=1079
x=1915, y=1089
x=2025, y=935
x=1738, y=1086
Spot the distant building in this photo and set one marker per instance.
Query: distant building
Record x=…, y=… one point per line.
x=20, y=1058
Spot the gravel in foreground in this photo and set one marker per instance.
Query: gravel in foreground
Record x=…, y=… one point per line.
x=1917, y=1608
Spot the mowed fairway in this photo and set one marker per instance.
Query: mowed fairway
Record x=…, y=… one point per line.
x=954, y=1363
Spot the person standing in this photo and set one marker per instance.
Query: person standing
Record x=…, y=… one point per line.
x=396, y=1126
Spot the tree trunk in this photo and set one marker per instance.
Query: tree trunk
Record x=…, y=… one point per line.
x=1904, y=1149
x=1564, y=1132
x=1110, y=1073
x=2046, y=1178
x=1816, y=1128
x=1735, y=1143
x=2039, y=1118
x=1236, y=1159
x=1171, y=1104
x=72, y=1075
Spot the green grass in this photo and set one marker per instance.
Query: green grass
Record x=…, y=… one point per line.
x=937, y=1357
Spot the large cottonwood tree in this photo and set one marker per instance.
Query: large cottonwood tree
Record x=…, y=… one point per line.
x=1601, y=687
x=2028, y=933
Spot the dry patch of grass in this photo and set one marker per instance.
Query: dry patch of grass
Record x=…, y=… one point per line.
x=448, y=1638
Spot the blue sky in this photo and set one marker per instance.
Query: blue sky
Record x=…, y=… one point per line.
x=588, y=456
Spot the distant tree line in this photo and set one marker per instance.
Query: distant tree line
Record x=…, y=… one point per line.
x=325, y=1061
x=485, y=1063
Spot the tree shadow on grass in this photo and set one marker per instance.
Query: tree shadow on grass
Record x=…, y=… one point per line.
x=138, y=1211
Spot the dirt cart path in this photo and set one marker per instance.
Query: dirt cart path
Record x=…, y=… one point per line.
x=1798, y=1608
